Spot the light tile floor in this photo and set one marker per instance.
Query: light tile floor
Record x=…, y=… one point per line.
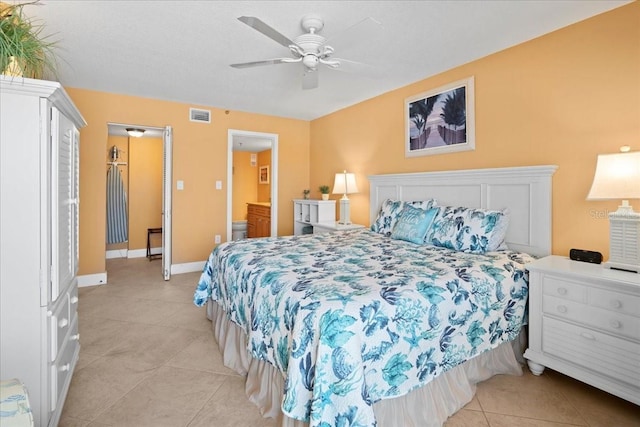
x=148, y=358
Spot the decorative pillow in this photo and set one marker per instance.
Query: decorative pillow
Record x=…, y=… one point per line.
x=390, y=211
x=413, y=224
x=469, y=229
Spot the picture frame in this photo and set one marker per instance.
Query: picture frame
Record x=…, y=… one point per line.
x=263, y=175
x=441, y=120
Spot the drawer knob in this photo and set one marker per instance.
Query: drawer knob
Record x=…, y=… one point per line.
x=562, y=291
x=616, y=303
x=74, y=300
x=615, y=324
x=75, y=337
x=587, y=336
x=64, y=367
x=63, y=322
x=562, y=309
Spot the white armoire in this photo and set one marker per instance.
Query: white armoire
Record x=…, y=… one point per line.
x=39, y=142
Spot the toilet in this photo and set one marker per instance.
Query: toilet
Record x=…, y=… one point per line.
x=238, y=230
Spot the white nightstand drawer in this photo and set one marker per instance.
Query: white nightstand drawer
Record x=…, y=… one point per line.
x=565, y=289
x=622, y=303
x=601, y=353
x=616, y=323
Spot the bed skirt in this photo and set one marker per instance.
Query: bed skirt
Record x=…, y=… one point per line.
x=427, y=406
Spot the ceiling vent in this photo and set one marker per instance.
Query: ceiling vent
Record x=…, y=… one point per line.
x=198, y=115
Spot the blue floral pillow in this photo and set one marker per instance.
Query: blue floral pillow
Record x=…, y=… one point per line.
x=413, y=224
x=391, y=210
x=469, y=229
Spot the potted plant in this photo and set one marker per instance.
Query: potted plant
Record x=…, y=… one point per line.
x=306, y=192
x=24, y=52
x=324, y=189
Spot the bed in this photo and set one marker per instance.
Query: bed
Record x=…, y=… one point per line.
x=385, y=326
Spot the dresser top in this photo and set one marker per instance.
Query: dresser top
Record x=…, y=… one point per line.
x=564, y=265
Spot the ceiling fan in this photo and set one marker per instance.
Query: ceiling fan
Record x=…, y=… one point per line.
x=310, y=49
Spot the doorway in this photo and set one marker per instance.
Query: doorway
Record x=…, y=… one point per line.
x=142, y=164
x=253, y=143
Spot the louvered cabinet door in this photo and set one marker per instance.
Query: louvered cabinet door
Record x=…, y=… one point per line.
x=64, y=144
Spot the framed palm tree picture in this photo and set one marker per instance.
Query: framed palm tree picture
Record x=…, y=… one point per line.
x=440, y=120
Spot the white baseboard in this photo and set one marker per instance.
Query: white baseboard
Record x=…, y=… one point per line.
x=92, y=279
x=135, y=253
x=117, y=253
x=101, y=278
x=188, y=267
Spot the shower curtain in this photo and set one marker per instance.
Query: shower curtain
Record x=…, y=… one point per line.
x=116, y=207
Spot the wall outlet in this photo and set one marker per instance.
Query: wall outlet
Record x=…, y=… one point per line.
x=217, y=238
x=218, y=185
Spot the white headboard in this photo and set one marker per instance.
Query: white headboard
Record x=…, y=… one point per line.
x=526, y=191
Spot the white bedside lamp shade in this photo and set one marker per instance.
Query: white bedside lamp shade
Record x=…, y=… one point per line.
x=345, y=183
x=617, y=176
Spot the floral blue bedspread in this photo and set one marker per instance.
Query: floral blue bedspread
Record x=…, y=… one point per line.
x=354, y=317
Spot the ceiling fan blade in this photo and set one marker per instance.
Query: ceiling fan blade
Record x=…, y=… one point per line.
x=266, y=62
x=267, y=30
x=309, y=79
x=354, y=67
x=362, y=30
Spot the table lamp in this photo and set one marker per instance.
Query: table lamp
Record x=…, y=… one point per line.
x=345, y=183
x=617, y=176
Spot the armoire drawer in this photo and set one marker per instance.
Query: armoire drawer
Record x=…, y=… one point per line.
x=598, y=352
x=59, y=326
x=62, y=368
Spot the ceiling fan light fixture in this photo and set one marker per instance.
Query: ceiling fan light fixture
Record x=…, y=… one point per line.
x=135, y=132
x=310, y=61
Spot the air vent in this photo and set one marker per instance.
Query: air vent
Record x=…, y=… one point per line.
x=197, y=115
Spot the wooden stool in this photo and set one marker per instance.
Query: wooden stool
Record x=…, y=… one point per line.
x=151, y=231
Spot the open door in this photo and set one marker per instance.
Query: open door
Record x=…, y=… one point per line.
x=166, y=202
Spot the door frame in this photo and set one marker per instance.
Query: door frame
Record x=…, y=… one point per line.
x=166, y=133
x=273, y=137
x=167, y=177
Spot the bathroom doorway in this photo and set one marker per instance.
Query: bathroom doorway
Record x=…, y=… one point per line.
x=139, y=160
x=258, y=153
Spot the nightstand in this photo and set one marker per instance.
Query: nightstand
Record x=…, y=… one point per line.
x=328, y=227
x=584, y=321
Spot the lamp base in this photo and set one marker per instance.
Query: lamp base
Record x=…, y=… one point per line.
x=345, y=212
x=624, y=239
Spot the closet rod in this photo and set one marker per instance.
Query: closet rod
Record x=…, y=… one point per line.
x=117, y=163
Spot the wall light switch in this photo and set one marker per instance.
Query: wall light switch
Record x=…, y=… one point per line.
x=218, y=185
x=180, y=185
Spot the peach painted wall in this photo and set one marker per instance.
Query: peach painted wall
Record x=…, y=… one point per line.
x=145, y=191
x=199, y=159
x=559, y=99
x=245, y=184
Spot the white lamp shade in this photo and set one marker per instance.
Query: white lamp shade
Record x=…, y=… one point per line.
x=617, y=177
x=345, y=183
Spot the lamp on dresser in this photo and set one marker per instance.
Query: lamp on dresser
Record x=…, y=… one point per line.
x=617, y=176
x=345, y=183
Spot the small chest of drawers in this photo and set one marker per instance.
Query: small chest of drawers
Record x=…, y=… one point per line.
x=584, y=321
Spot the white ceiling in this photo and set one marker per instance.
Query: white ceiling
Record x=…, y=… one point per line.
x=181, y=50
